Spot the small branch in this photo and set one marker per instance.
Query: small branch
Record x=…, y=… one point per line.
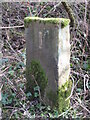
x=71, y=90
x=85, y=12
x=11, y=27
x=37, y=85
x=65, y=112
x=80, y=103
x=11, y=57
x=54, y=8
x=41, y=10
x=16, y=55
x=13, y=113
x=10, y=83
x=70, y=13
x=84, y=108
x=85, y=83
x=29, y=8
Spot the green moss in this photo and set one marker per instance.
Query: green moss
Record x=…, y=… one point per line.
x=63, y=93
x=36, y=75
x=64, y=22
x=57, y=100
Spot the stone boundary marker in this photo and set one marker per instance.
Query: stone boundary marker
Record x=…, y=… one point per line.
x=48, y=59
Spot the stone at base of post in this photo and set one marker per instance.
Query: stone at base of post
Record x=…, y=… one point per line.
x=47, y=44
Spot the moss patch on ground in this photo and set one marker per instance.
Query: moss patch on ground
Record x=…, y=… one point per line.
x=64, y=22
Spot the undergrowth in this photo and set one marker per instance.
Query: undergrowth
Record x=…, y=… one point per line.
x=15, y=103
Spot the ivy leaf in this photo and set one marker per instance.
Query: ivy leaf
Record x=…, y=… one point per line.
x=36, y=94
x=37, y=88
x=71, y=65
x=4, y=98
x=28, y=94
x=11, y=72
x=86, y=65
x=56, y=113
x=79, y=90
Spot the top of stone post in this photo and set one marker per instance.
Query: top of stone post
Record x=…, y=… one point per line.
x=63, y=21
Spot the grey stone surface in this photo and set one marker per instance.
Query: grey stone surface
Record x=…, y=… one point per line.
x=50, y=45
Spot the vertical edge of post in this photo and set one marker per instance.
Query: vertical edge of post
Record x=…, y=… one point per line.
x=64, y=83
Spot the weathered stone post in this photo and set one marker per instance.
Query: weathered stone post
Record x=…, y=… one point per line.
x=48, y=59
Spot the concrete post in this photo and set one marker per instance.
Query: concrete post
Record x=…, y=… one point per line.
x=47, y=44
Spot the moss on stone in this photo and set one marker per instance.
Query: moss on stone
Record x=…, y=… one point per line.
x=39, y=77
x=63, y=93
x=64, y=22
x=57, y=100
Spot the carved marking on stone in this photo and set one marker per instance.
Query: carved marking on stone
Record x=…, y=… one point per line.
x=40, y=40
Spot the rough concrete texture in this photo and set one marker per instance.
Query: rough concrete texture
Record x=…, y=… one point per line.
x=49, y=44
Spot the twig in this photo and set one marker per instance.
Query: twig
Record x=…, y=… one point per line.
x=85, y=83
x=76, y=73
x=54, y=8
x=9, y=107
x=11, y=57
x=37, y=85
x=80, y=104
x=41, y=10
x=11, y=27
x=22, y=92
x=84, y=108
x=12, y=113
x=29, y=8
x=11, y=47
x=10, y=83
x=71, y=90
x=85, y=11
x=64, y=112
